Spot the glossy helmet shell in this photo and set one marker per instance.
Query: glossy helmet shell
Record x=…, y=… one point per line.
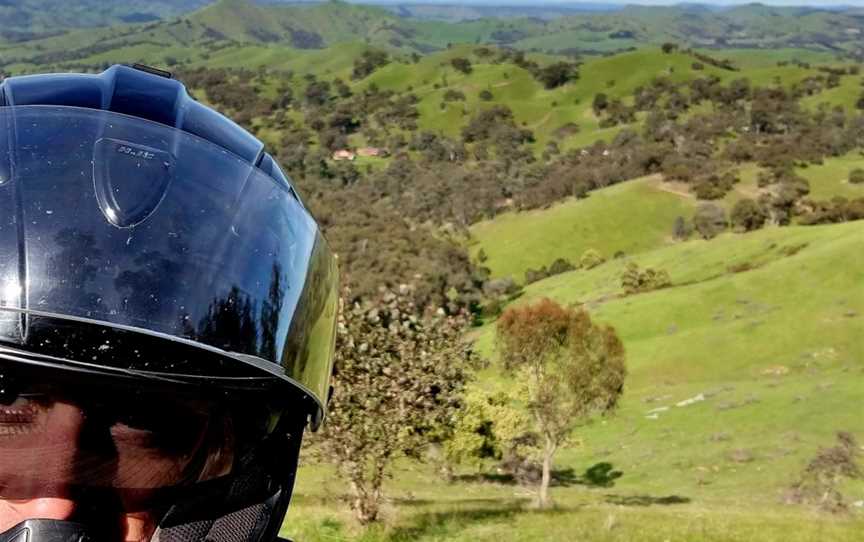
x=252, y=217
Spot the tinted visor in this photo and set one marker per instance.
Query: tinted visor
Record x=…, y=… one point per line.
x=127, y=445
x=127, y=244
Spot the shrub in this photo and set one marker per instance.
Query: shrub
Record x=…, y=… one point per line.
x=535, y=275
x=709, y=220
x=635, y=280
x=560, y=266
x=819, y=481
x=681, y=230
x=856, y=176
x=461, y=64
x=748, y=215
x=486, y=95
x=453, y=95
x=591, y=259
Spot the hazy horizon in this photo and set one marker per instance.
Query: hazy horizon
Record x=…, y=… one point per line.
x=572, y=3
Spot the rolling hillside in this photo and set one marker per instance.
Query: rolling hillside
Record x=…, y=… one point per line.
x=167, y=34
x=739, y=372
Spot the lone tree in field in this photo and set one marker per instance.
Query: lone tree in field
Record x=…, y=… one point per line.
x=399, y=379
x=572, y=368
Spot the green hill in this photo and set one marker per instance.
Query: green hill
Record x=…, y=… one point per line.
x=25, y=19
x=631, y=217
x=739, y=373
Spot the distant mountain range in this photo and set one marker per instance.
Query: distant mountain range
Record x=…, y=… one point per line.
x=22, y=19
x=175, y=28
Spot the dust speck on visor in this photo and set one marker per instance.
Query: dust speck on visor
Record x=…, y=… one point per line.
x=131, y=246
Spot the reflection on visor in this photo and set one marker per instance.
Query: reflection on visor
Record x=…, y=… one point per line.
x=110, y=222
x=57, y=445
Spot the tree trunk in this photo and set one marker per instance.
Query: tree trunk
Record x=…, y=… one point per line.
x=364, y=504
x=543, y=500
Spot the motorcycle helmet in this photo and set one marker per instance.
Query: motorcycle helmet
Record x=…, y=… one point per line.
x=167, y=316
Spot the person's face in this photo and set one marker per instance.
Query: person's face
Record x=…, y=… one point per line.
x=61, y=461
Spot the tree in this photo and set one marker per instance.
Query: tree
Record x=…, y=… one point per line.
x=399, y=377
x=600, y=103
x=461, y=64
x=748, y=215
x=368, y=62
x=669, y=47
x=709, y=220
x=571, y=368
x=557, y=74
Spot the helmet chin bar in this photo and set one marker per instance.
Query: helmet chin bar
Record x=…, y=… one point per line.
x=46, y=530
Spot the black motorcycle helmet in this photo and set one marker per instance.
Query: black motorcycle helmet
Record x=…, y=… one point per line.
x=167, y=315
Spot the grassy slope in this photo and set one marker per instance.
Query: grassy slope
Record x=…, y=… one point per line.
x=713, y=333
x=832, y=178
x=532, y=105
x=631, y=217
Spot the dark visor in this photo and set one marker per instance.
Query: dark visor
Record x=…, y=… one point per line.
x=129, y=245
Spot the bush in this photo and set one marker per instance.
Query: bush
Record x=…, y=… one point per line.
x=819, y=482
x=856, y=176
x=454, y=96
x=501, y=287
x=591, y=259
x=535, y=275
x=709, y=220
x=461, y=64
x=681, y=230
x=486, y=96
x=635, y=280
x=748, y=215
x=560, y=266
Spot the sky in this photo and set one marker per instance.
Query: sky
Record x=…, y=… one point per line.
x=813, y=3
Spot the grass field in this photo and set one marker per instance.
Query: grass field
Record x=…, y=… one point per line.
x=631, y=217
x=762, y=331
x=832, y=178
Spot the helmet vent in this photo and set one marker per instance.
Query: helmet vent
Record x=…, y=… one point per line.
x=130, y=180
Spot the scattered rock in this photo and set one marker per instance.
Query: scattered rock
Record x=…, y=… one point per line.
x=720, y=437
x=850, y=314
x=652, y=416
x=690, y=401
x=740, y=456
x=776, y=370
x=658, y=410
x=858, y=504
x=672, y=330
